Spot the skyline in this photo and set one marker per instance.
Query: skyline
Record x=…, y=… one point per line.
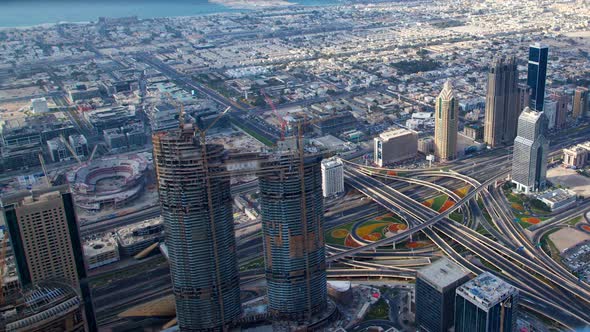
x=378, y=165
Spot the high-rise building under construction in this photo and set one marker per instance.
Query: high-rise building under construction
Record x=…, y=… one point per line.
x=292, y=224
x=197, y=212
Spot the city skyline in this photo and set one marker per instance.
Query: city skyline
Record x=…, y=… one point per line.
x=319, y=165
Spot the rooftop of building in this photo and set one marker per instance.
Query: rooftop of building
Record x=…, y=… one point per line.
x=134, y=233
x=332, y=162
x=442, y=273
x=394, y=133
x=486, y=290
x=557, y=195
x=99, y=245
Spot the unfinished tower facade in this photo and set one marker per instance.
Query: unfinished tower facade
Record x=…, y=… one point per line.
x=197, y=212
x=292, y=224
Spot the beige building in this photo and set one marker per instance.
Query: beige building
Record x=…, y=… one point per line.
x=576, y=156
x=562, y=101
x=523, y=99
x=46, y=243
x=580, y=105
x=446, y=120
x=426, y=145
x=395, y=145
x=42, y=226
x=501, y=103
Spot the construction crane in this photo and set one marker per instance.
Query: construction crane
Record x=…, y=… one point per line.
x=282, y=121
x=42, y=161
x=71, y=149
x=93, y=152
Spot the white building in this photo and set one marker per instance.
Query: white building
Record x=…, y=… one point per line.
x=332, y=177
x=558, y=199
x=395, y=145
x=550, y=110
x=101, y=251
x=39, y=105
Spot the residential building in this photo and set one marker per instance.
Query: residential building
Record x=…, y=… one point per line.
x=580, y=104
x=292, y=212
x=394, y=146
x=486, y=304
x=332, y=177
x=562, y=101
x=109, y=117
x=57, y=150
x=529, y=164
x=203, y=266
x=79, y=144
x=426, y=145
x=446, y=123
x=46, y=242
x=501, y=106
x=550, y=110
x=537, y=73
x=39, y=105
x=474, y=131
x=435, y=294
x=163, y=117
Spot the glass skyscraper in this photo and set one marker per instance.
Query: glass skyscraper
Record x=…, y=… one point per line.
x=537, y=73
x=529, y=164
x=435, y=294
x=486, y=304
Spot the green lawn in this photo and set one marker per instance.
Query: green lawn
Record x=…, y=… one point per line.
x=252, y=133
x=332, y=240
x=379, y=310
x=438, y=202
x=575, y=220
x=549, y=247
x=456, y=216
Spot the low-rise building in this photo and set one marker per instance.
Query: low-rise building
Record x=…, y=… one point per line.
x=426, y=145
x=575, y=156
x=395, y=145
x=473, y=131
x=39, y=105
x=558, y=199
x=101, y=251
x=134, y=238
x=80, y=91
x=109, y=117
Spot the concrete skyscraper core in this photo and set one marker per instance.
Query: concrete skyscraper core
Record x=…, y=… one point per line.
x=501, y=102
x=446, y=121
x=529, y=165
x=292, y=225
x=198, y=220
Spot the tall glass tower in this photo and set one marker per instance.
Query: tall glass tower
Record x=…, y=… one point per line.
x=537, y=73
x=292, y=226
x=198, y=220
x=529, y=164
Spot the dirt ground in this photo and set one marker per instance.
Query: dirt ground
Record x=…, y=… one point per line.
x=567, y=238
x=571, y=179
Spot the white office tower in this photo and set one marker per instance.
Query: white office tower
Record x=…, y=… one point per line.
x=529, y=165
x=332, y=177
x=395, y=145
x=39, y=105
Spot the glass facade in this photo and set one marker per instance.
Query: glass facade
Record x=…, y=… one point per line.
x=537, y=73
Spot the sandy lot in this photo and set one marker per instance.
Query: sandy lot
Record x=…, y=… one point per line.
x=567, y=238
x=571, y=179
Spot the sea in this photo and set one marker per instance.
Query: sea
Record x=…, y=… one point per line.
x=25, y=13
